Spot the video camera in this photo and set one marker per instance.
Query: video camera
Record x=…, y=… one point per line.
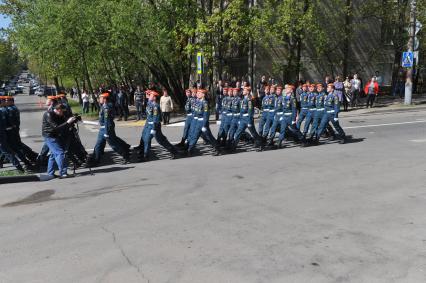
x=77, y=117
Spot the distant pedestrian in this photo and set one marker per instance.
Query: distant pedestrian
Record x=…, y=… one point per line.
x=139, y=98
x=219, y=98
x=348, y=90
x=122, y=104
x=260, y=91
x=371, y=89
x=356, y=90
x=86, y=100
x=94, y=105
x=399, y=88
x=166, y=106
x=339, y=89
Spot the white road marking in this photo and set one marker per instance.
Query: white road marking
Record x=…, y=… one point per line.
x=418, y=141
x=24, y=133
x=180, y=124
x=91, y=123
x=382, y=125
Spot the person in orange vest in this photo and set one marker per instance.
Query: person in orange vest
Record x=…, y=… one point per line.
x=371, y=89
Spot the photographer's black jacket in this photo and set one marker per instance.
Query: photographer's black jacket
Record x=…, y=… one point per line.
x=53, y=125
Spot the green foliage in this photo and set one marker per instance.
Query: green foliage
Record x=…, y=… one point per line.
x=95, y=42
x=9, y=60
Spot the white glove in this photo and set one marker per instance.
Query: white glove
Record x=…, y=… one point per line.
x=239, y=122
x=71, y=120
x=336, y=119
x=293, y=122
x=204, y=129
x=249, y=125
x=153, y=132
x=281, y=118
x=106, y=136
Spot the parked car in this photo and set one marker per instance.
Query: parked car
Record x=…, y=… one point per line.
x=46, y=91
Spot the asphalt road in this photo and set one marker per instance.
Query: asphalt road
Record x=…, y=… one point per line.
x=332, y=213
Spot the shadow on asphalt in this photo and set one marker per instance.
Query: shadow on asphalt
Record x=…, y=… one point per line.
x=102, y=170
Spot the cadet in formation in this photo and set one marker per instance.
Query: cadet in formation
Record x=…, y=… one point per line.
x=319, y=113
x=152, y=129
x=107, y=133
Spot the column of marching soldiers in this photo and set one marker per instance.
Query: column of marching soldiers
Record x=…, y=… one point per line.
x=279, y=120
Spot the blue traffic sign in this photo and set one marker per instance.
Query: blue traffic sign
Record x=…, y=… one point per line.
x=407, y=59
x=199, y=63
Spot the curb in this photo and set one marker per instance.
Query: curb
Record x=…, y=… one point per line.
x=19, y=179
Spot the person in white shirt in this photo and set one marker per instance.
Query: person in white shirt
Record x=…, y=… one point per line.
x=86, y=101
x=356, y=90
x=166, y=106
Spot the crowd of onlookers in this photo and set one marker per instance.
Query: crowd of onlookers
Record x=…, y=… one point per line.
x=122, y=97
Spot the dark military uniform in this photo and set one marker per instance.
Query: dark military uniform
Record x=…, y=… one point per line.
x=201, y=126
x=107, y=134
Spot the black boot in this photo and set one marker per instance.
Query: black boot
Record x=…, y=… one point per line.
x=216, y=151
x=181, y=144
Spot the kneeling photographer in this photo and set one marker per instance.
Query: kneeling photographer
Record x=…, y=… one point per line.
x=55, y=128
x=74, y=148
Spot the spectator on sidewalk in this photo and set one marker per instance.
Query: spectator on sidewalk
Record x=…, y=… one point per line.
x=371, y=89
x=260, y=91
x=218, y=98
x=94, y=106
x=356, y=90
x=166, y=106
x=85, y=98
x=122, y=104
x=348, y=90
x=399, y=88
x=339, y=90
x=139, y=98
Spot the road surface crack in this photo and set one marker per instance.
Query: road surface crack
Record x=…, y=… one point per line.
x=123, y=253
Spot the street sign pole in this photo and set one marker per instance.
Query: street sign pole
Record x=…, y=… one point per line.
x=200, y=67
x=409, y=79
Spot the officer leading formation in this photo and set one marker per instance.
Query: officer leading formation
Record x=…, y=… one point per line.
x=280, y=120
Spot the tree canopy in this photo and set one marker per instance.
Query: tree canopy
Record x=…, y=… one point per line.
x=94, y=42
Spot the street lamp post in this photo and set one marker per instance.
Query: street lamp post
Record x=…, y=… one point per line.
x=410, y=71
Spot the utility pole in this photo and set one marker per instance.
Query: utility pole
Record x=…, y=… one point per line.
x=410, y=71
x=252, y=52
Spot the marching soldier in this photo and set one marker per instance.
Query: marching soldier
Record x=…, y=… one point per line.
x=6, y=151
x=235, y=110
x=270, y=105
x=152, y=129
x=319, y=112
x=331, y=114
x=264, y=112
x=246, y=120
x=289, y=116
x=310, y=104
x=303, y=106
x=278, y=111
x=24, y=153
x=107, y=133
x=226, y=116
x=201, y=124
x=189, y=117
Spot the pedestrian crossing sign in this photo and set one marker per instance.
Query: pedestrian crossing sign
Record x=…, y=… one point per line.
x=407, y=59
x=199, y=63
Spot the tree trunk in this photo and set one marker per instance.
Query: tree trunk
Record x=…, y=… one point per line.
x=86, y=71
x=78, y=91
x=346, y=43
